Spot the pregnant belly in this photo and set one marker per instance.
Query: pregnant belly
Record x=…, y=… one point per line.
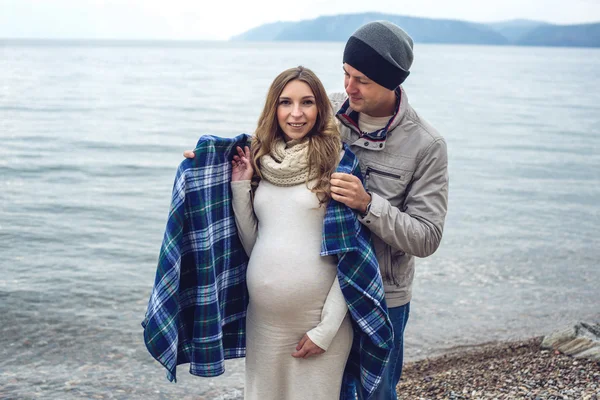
x=288, y=282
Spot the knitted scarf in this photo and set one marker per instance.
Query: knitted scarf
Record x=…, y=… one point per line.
x=287, y=163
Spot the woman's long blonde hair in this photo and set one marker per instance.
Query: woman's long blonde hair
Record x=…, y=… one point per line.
x=324, y=139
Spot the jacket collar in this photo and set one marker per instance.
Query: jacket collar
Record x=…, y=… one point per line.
x=349, y=118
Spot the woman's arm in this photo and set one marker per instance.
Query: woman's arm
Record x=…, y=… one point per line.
x=317, y=340
x=241, y=177
x=245, y=220
x=332, y=316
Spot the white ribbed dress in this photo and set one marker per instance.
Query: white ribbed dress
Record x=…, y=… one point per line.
x=293, y=291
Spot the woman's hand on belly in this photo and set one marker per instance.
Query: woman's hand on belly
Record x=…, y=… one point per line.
x=307, y=348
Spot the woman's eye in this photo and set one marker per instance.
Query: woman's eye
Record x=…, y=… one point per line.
x=284, y=102
x=309, y=102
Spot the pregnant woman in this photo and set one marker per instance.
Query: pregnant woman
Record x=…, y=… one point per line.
x=299, y=332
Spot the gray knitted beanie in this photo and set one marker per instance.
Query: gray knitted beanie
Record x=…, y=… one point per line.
x=382, y=51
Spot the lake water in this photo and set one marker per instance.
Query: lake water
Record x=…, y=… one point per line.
x=91, y=135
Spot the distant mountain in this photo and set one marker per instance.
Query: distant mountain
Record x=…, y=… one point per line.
x=263, y=33
x=513, y=30
x=585, y=35
x=337, y=28
x=340, y=27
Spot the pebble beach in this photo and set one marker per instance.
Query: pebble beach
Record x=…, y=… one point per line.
x=509, y=370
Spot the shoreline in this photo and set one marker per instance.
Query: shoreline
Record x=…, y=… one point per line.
x=501, y=370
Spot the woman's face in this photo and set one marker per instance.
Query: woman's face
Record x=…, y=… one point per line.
x=296, y=110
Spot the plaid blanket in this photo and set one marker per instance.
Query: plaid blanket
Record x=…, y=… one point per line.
x=360, y=280
x=196, y=312
x=197, y=309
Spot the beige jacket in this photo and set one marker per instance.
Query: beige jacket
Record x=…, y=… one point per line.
x=407, y=175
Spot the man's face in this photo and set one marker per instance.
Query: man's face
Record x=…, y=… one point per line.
x=366, y=96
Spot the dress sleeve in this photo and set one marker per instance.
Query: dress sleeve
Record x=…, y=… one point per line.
x=332, y=316
x=245, y=220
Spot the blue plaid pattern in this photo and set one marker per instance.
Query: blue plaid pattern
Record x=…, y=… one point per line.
x=360, y=280
x=197, y=309
x=196, y=313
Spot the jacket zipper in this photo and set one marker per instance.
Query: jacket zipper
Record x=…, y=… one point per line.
x=383, y=173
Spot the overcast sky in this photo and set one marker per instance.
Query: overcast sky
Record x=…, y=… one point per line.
x=220, y=19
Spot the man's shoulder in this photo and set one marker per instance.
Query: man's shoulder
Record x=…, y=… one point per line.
x=419, y=128
x=426, y=128
x=414, y=138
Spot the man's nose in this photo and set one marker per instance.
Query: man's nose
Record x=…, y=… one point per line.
x=350, y=86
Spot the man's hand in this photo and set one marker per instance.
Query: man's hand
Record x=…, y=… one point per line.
x=348, y=189
x=189, y=154
x=307, y=348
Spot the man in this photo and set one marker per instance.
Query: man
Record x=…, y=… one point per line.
x=404, y=163
x=405, y=166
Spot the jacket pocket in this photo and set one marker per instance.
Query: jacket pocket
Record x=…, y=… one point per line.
x=389, y=183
